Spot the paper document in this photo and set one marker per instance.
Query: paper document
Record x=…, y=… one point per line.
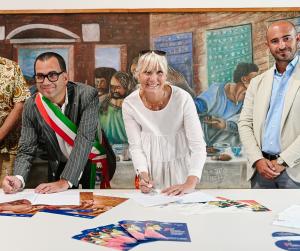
x=149, y=200
x=290, y=217
x=196, y=197
x=17, y=196
x=70, y=197
x=156, y=199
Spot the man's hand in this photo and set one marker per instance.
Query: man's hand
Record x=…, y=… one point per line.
x=215, y=122
x=53, y=187
x=11, y=184
x=146, y=184
x=278, y=168
x=266, y=169
x=181, y=189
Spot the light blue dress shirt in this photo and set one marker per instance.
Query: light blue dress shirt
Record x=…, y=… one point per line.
x=271, y=136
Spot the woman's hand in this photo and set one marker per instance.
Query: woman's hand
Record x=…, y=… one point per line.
x=146, y=184
x=181, y=189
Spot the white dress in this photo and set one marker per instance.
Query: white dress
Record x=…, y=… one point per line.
x=168, y=144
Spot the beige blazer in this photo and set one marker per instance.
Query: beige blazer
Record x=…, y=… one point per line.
x=254, y=113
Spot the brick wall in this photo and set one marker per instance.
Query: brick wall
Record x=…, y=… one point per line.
x=197, y=23
x=131, y=30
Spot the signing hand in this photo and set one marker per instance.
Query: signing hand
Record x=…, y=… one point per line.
x=53, y=187
x=146, y=184
x=266, y=169
x=11, y=184
x=181, y=189
x=215, y=122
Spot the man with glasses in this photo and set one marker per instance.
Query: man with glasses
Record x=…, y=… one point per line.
x=63, y=115
x=269, y=123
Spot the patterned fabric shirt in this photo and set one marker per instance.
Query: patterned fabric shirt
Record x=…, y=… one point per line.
x=13, y=89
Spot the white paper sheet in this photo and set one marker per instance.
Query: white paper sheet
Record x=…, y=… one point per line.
x=156, y=198
x=290, y=217
x=149, y=200
x=197, y=197
x=70, y=197
x=17, y=196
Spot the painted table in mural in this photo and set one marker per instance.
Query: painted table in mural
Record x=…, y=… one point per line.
x=216, y=174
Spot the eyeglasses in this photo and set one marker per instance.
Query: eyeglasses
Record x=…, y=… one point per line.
x=52, y=76
x=158, y=52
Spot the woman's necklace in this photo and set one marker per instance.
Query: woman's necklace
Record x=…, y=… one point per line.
x=155, y=106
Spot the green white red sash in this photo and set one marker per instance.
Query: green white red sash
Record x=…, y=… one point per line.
x=67, y=130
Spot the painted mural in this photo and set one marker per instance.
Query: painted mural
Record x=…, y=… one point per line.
x=213, y=56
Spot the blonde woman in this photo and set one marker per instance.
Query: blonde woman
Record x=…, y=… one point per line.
x=164, y=132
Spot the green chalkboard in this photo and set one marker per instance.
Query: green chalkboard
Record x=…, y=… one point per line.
x=226, y=47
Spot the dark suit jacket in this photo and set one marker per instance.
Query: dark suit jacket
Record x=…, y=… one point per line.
x=82, y=109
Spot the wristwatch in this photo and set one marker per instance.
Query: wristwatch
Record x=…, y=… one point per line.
x=280, y=161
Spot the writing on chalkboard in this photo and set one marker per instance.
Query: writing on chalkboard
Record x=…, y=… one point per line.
x=226, y=47
x=179, y=49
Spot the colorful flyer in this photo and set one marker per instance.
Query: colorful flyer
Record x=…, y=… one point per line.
x=168, y=231
x=90, y=206
x=134, y=228
x=290, y=245
x=18, y=208
x=112, y=236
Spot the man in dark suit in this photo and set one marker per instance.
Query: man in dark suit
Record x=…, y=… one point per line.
x=69, y=165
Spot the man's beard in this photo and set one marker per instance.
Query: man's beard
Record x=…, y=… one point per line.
x=103, y=90
x=117, y=95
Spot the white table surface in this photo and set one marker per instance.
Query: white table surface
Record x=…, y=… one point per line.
x=208, y=232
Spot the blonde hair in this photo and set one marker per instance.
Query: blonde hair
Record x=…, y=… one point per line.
x=151, y=62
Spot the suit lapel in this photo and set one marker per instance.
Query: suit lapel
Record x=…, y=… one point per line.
x=69, y=111
x=290, y=94
x=263, y=100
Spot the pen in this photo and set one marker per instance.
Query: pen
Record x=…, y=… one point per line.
x=147, y=181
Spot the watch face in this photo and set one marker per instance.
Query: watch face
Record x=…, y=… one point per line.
x=280, y=161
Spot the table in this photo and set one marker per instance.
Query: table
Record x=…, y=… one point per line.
x=216, y=174
x=209, y=232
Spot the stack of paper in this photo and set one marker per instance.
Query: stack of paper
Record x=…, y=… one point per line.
x=290, y=217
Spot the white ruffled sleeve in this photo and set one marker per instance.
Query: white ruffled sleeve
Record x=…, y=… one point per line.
x=194, y=134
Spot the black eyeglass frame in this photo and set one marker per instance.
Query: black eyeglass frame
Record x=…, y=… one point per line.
x=54, y=73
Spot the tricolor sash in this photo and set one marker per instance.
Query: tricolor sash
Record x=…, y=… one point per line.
x=67, y=130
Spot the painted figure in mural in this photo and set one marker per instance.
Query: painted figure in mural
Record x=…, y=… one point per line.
x=132, y=69
x=176, y=78
x=103, y=77
x=164, y=133
x=60, y=101
x=111, y=118
x=219, y=107
x=13, y=92
x=269, y=124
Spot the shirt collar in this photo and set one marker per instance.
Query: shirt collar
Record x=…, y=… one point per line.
x=66, y=101
x=63, y=107
x=290, y=67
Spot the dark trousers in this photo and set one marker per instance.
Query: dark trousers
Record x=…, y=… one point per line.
x=281, y=181
x=84, y=180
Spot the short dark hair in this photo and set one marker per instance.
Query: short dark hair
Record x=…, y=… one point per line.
x=49, y=54
x=242, y=70
x=105, y=72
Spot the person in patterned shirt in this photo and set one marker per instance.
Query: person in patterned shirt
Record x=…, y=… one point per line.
x=13, y=93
